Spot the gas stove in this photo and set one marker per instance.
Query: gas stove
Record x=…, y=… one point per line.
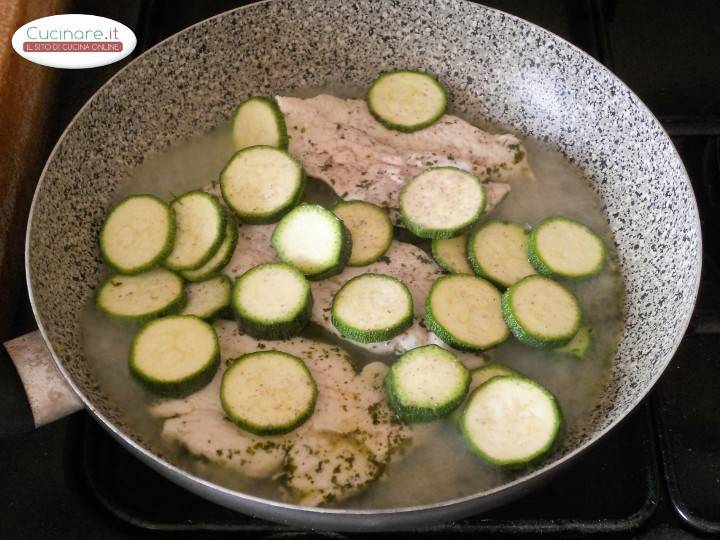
x=656, y=475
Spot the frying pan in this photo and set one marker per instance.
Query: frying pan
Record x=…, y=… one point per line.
x=494, y=65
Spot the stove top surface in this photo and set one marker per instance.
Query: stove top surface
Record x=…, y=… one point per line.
x=657, y=475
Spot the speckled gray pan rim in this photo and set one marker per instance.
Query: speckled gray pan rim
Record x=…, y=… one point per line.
x=494, y=66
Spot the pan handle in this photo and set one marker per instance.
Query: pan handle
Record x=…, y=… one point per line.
x=48, y=392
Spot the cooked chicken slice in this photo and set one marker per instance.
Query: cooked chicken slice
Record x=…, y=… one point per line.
x=326, y=468
x=351, y=412
x=253, y=247
x=338, y=141
x=207, y=433
x=495, y=192
x=198, y=423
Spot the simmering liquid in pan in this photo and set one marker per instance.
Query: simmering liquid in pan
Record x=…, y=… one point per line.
x=439, y=466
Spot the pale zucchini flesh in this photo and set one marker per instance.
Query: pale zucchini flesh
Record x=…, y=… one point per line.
x=137, y=234
x=141, y=297
x=261, y=184
x=200, y=228
x=370, y=229
x=371, y=308
x=258, y=120
x=564, y=248
x=441, y=202
x=221, y=257
x=207, y=299
x=175, y=356
x=511, y=421
x=426, y=383
x=406, y=100
x=464, y=311
x=541, y=313
x=313, y=240
x=451, y=254
x=268, y=392
x=498, y=252
x=483, y=374
x=272, y=301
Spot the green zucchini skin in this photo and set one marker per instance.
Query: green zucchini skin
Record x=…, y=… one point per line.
x=344, y=250
x=578, y=346
x=213, y=247
x=524, y=335
x=373, y=335
x=516, y=464
x=266, y=430
x=272, y=329
x=343, y=258
x=448, y=266
x=220, y=306
x=437, y=328
x=279, y=119
x=544, y=267
x=180, y=388
x=221, y=257
x=435, y=233
x=406, y=128
x=483, y=374
x=174, y=306
x=487, y=273
x=410, y=413
x=263, y=218
x=381, y=220
x=162, y=253
x=278, y=330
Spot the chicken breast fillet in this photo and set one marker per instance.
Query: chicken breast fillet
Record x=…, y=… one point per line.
x=352, y=426
x=338, y=141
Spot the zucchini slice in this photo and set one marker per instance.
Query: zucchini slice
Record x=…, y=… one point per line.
x=200, y=220
x=371, y=308
x=579, y=344
x=426, y=383
x=406, y=100
x=464, y=311
x=563, y=248
x=206, y=299
x=141, y=297
x=511, y=421
x=313, y=240
x=272, y=301
x=259, y=120
x=370, y=229
x=261, y=184
x=498, y=252
x=221, y=257
x=541, y=313
x=175, y=356
x=268, y=392
x=451, y=255
x=483, y=374
x=137, y=234
x=441, y=202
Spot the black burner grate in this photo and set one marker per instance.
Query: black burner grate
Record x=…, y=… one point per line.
x=689, y=430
